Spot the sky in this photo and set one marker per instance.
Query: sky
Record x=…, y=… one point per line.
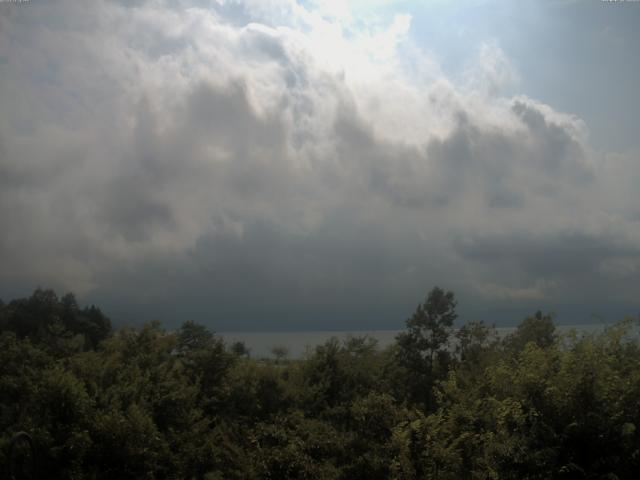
x=268, y=165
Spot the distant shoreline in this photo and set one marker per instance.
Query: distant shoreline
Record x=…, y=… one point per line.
x=298, y=342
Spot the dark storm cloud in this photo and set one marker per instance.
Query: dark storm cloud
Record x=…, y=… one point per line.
x=279, y=280
x=563, y=255
x=175, y=163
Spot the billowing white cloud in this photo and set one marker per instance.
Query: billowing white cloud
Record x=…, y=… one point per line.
x=296, y=158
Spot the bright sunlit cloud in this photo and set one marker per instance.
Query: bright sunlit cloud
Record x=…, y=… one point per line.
x=317, y=158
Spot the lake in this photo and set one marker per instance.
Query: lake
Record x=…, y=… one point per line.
x=297, y=343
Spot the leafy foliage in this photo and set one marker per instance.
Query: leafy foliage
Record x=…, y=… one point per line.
x=441, y=403
x=423, y=349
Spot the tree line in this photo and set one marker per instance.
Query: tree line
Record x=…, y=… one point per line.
x=440, y=403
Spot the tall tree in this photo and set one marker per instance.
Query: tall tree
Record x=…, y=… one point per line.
x=423, y=346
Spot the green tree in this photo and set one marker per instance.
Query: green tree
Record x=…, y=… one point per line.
x=423, y=347
x=538, y=328
x=193, y=337
x=476, y=347
x=280, y=352
x=206, y=362
x=295, y=447
x=240, y=349
x=58, y=323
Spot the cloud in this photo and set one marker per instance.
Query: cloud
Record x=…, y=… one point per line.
x=266, y=164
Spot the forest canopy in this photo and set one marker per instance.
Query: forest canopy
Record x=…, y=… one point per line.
x=442, y=402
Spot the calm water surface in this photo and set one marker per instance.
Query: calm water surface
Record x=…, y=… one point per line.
x=298, y=343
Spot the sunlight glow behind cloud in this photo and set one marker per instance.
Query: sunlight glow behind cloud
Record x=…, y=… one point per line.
x=303, y=157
